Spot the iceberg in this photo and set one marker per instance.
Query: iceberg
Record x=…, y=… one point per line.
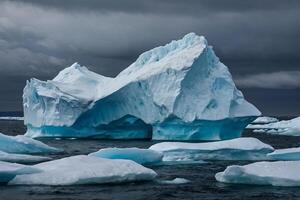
x=23, y=145
x=234, y=149
x=285, y=154
x=8, y=171
x=21, y=158
x=180, y=91
x=284, y=127
x=141, y=156
x=279, y=173
x=78, y=170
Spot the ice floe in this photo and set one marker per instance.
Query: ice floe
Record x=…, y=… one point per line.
x=141, y=156
x=279, y=173
x=82, y=169
x=23, y=145
x=234, y=149
x=22, y=158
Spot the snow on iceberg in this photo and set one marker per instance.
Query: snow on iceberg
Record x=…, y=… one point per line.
x=21, y=158
x=23, y=145
x=141, y=156
x=279, y=173
x=235, y=149
x=284, y=127
x=9, y=170
x=77, y=170
x=180, y=91
x=285, y=154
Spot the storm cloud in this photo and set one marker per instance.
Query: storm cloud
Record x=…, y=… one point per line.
x=39, y=38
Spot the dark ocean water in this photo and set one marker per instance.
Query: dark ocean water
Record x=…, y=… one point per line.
x=202, y=185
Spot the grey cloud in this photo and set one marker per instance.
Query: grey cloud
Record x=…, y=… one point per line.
x=40, y=37
x=51, y=31
x=178, y=7
x=274, y=80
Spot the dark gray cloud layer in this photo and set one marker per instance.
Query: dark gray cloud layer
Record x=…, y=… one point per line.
x=39, y=38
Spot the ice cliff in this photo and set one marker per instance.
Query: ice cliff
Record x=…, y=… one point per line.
x=180, y=91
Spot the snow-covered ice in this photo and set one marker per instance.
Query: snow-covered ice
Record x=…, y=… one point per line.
x=265, y=120
x=235, y=149
x=284, y=127
x=21, y=158
x=24, y=145
x=285, y=154
x=279, y=173
x=180, y=91
x=141, y=156
x=9, y=170
x=77, y=170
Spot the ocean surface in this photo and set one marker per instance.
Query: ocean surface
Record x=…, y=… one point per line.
x=202, y=186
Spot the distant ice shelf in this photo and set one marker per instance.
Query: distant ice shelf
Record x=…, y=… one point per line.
x=12, y=118
x=180, y=91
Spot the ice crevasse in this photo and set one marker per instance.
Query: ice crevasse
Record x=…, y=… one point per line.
x=180, y=91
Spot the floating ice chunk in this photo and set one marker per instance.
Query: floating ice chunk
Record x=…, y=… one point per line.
x=9, y=170
x=284, y=127
x=265, y=120
x=180, y=91
x=24, y=145
x=85, y=170
x=12, y=118
x=279, y=173
x=235, y=149
x=141, y=156
x=21, y=158
x=175, y=181
x=285, y=154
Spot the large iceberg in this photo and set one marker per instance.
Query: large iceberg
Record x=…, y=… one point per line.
x=21, y=158
x=280, y=173
x=180, y=91
x=284, y=127
x=78, y=170
x=8, y=171
x=23, y=145
x=141, y=156
x=235, y=149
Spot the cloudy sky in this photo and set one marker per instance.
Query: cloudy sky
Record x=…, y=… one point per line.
x=257, y=40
